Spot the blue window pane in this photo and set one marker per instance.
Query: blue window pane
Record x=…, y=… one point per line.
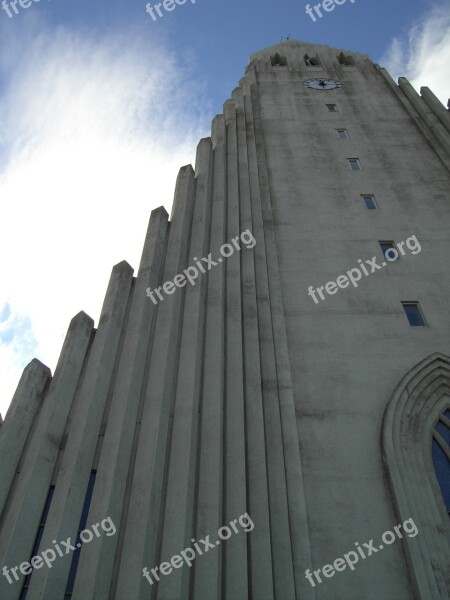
x=47, y=505
x=82, y=525
x=442, y=467
x=354, y=164
x=26, y=583
x=386, y=246
x=414, y=315
x=389, y=251
x=38, y=539
x=443, y=431
x=87, y=501
x=369, y=201
x=73, y=569
x=37, y=542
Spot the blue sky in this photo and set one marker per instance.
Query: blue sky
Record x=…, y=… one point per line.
x=100, y=106
x=212, y=36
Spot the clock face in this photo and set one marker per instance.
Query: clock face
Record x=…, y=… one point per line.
x=322, y=84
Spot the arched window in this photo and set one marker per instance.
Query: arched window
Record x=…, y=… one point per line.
x=441, y=455
x=416, y=418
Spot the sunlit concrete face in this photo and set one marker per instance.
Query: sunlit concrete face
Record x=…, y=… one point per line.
x=238, y=399
x=348, y=352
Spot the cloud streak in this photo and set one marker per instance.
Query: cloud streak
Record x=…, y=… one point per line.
x=422, y=54
x=94, y=130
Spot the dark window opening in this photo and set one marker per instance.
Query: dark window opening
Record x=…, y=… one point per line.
x=76, y=554
x=413, y=314
x=354, y=163
x=38, y=539
x=369, y=201
x=441, y=455
x=347, y=61
x=312, y=61
x=278, y=61
x=389, y=251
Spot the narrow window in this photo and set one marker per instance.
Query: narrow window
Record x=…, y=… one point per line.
x=413, y=314
x=332, y=108
x=342, y=134
x=441, y=455
x=389, y=251
x=354, y=164
x=81, y=526
x=369, y=201
x=37, y=541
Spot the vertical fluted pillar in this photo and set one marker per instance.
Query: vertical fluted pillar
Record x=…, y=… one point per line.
x=22, y=414
x=97, y=570
x=78, y=459
x=235, y=482
x=260, y=552
x=283, y=574
x=145, y=509
x=297, y=517
x=178, y=517
x=208, y=569
x=22, y=516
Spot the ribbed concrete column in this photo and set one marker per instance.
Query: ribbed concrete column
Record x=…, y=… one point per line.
x=97, y=566
x=208, y=569
x=145, y=504
x=436, y=106
x=22, y=413
x=260, y=555
x=178, y=519
x=411, y=108
x=301, y=553
x=279, y=515
x=235, y=483
x=77, y=462
x=22, y=517
x=426, y=113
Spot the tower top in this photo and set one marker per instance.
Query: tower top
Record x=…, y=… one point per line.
x=292, y=49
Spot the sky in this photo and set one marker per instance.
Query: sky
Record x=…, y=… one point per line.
x=100, y=105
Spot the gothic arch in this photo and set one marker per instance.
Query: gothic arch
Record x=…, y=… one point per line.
x=419, y=399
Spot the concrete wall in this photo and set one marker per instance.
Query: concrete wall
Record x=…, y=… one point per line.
x=349, y=351
x=239, y=394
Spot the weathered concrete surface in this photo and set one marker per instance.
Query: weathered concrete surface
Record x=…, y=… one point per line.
x=240, y=394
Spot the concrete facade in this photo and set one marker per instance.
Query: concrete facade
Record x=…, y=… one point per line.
x=240, y=394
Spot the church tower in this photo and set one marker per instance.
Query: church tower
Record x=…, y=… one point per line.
x=263, y=411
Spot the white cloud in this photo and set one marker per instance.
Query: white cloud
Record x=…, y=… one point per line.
x=93, y=132
x=423, y=53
